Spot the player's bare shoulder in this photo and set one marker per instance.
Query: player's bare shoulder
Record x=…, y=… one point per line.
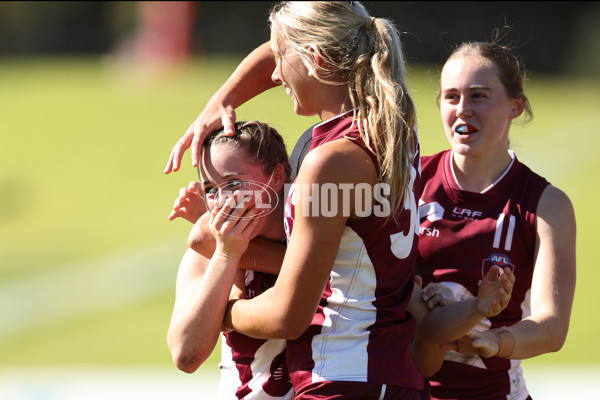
x=339, y=161
x=556, y=209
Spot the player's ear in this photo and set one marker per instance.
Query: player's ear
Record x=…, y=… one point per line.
x=518, y=106
x=318, y=60
x=278, y=179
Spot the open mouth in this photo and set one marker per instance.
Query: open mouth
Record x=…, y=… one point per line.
x=465, y=129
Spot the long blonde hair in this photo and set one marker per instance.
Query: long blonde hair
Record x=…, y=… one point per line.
x=364, y=53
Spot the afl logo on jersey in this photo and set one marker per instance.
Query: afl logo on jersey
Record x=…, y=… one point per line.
x=500, y=259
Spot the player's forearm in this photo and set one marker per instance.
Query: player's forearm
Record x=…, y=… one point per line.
x=201, y=239
x=531, y=338
x=263, y=255
x=195, y=329
x=429, y=357
x=250, y=78
x=445, y=324
x=264, y=317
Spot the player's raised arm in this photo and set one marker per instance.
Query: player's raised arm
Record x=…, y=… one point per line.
x=251, y=77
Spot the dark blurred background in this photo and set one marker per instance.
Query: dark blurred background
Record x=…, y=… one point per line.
x=552, y=36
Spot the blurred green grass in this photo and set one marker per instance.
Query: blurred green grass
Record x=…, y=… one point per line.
x=83, y=147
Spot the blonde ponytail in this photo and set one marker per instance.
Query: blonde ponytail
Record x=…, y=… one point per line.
x=364, y=53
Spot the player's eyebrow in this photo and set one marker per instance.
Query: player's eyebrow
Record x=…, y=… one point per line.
x=470, y=88
x=225, y=176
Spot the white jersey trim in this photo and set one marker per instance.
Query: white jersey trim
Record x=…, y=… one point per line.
x=349, y=314
x=229, y=381
x=487, y=189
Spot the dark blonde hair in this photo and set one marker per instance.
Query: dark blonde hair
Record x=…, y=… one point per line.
x=364, y=53
x=259, y=140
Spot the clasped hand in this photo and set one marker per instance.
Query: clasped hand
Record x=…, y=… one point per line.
x=482, y=343
x=494, y=293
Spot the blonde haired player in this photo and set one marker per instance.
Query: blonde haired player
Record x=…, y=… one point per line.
x=342, y=296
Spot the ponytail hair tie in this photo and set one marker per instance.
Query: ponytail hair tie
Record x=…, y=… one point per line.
x=369, y=24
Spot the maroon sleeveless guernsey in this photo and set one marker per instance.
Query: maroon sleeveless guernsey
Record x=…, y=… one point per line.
x=362, y=330
x=254, y=369
x=462, y=235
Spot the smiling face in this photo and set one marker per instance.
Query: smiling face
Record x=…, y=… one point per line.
x=475, y=108
x=292, y=74
x=226, y=169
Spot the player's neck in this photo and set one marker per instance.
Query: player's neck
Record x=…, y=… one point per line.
x=479, y=174
x=274, y=229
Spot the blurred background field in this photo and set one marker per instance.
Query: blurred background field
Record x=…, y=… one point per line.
x=87, y=257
